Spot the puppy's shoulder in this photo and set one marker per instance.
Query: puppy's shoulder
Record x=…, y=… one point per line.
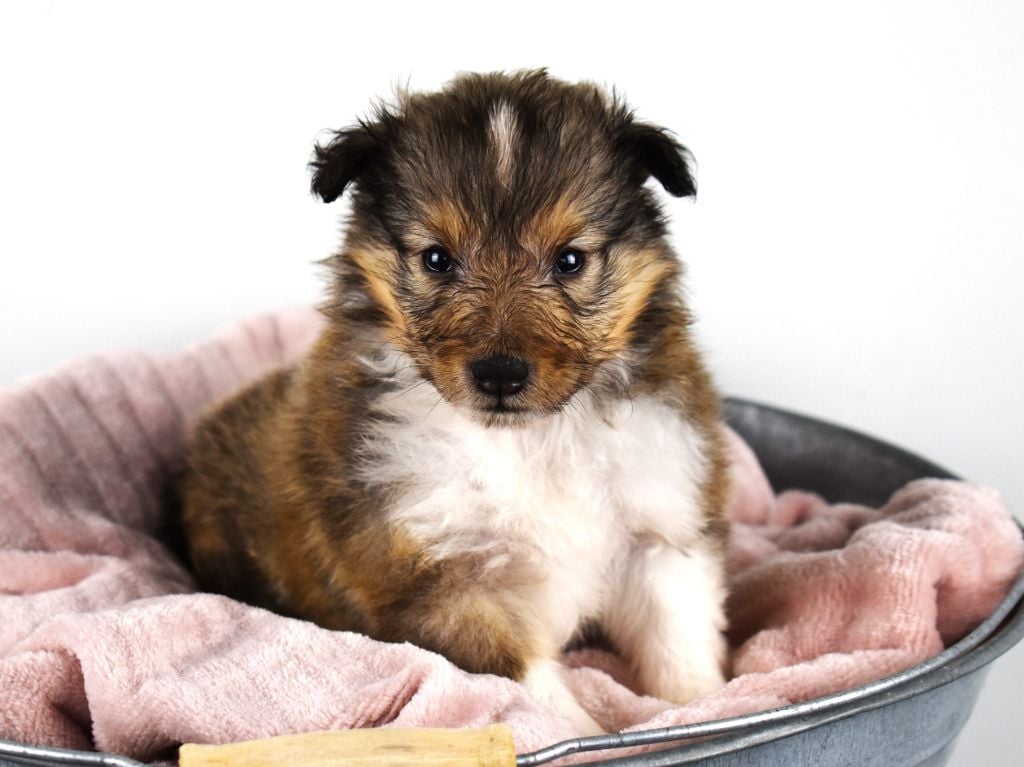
x=235, y=419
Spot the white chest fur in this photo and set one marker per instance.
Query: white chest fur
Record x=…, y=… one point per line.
x=560, y=503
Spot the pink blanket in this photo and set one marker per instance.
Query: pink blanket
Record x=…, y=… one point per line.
x=104, y=644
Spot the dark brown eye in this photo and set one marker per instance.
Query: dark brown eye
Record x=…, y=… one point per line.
x=569, y=261
x=436, y=259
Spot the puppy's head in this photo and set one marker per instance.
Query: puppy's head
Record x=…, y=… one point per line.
x=502, y=235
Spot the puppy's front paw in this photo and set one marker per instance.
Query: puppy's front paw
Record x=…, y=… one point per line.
x=682, y=687
x=687, y=672
x=668, y=622
x=546, y=685
x=584, y=723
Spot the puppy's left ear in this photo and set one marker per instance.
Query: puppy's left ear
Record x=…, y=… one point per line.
x=338, y=164
x=658, y=154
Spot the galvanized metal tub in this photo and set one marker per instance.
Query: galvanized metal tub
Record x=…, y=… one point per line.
x=911, y=718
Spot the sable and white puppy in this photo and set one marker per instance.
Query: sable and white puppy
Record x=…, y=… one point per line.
x=504, y=435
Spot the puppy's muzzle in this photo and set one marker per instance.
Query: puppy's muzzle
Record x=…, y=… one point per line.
x=500, y=376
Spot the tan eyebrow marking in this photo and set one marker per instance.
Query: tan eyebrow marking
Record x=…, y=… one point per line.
x=445, y=220
x=556, y=224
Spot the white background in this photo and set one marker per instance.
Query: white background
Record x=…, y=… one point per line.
x=855, y=251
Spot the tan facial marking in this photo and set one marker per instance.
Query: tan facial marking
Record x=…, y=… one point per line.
x=637, y=277
x=446, y=222
x=556, y=224
x=377, y=266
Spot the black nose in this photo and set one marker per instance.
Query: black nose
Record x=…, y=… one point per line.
x=499, y=376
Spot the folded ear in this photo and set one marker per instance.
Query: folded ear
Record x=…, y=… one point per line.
x=338, y=164
x=660, y=155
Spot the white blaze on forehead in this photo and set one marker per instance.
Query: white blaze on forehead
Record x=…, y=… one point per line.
x=504, y=136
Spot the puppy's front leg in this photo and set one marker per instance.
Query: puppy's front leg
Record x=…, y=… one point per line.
x=481, y=632
x=667, y=620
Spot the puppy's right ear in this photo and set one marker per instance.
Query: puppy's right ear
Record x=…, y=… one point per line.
x=339, y=163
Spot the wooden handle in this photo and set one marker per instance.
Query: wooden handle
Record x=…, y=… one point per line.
x=490, y=746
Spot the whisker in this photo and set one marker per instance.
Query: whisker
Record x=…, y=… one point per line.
x=406, y=390
x=439, y=398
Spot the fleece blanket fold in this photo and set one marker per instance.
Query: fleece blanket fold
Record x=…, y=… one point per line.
x=104, y=643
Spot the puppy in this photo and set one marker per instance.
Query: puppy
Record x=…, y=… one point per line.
x=504, y=435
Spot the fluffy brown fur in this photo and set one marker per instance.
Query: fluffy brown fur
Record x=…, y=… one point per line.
x=504, y=174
